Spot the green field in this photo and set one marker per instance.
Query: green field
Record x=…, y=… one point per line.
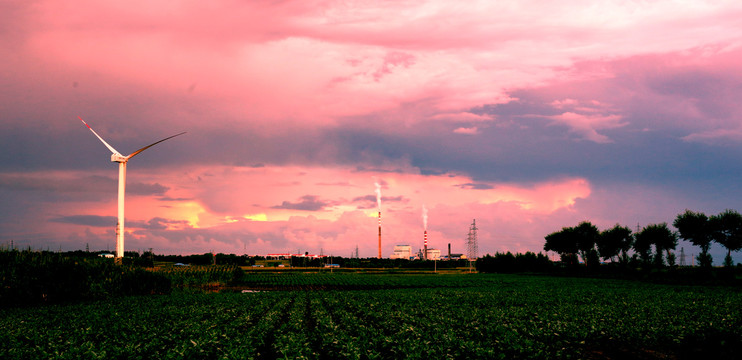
x=390, y=316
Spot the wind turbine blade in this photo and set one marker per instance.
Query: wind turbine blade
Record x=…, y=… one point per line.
x=151, y=145
x=101, y=139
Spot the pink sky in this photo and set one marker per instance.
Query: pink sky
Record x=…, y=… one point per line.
x=526, y=115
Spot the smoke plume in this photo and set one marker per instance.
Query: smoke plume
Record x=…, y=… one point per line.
x=425, y=218
x=378, y=195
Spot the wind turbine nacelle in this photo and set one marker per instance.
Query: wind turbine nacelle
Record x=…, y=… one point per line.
x=118, y=158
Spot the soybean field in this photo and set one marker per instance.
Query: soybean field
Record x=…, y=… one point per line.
x=357, y=316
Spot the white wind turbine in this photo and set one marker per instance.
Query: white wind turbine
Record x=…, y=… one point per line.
x=122, y=160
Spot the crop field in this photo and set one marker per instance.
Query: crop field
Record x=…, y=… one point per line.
x=357, y=316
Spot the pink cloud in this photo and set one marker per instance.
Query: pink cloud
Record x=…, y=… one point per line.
x=559, y=104
x=586, y=126
x=315, y=62
x=463, y=117
x=467, y=131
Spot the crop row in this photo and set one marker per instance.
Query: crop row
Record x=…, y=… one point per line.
x=358, y=281
x=507, y=317
x=201, y=275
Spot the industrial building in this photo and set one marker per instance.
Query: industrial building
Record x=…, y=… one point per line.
x=402, y=252
x=433, y=254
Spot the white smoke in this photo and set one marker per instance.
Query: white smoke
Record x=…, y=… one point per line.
x=378, y=195
x=425, y=218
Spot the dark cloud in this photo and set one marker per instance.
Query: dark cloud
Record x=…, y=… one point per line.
x=146, y=189
x=157, y=223
x=84, y=185
x=306, y=203
x=44, y=183
x=168, y=198
x=87, y=220
x=367, y=198
x=475, y=186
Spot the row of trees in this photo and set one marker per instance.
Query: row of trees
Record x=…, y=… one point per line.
x=513, y=263
x=615, y=243
x=33, y=277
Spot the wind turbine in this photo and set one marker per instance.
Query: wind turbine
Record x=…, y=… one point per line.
x=122, y=160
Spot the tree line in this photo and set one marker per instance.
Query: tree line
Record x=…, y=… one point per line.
x=40, y=277
x=653, y=245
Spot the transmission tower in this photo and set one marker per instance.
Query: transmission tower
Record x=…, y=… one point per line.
x=472, y=248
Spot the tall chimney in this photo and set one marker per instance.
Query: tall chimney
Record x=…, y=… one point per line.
x=379, y=234
x=425, y=252
x=449, y=251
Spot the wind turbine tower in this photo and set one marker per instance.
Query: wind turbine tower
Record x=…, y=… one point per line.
x=122, y=160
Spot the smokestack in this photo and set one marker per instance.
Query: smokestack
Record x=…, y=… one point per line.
x=449, y=251
x=425, y=252
x=379, y=234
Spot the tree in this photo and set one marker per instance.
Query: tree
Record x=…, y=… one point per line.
x=658, y=235
x=571, y=240
x=695, y=228
x=726, y=229
x=643, y=246
x=587, y=236
x=614, y=241
x=562, y=242
x=665, y=239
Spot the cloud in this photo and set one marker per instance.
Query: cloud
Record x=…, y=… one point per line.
x=307, y=203
x=87, y=220
x=466, y=131
x=68, y=182
x=586, y=126
x=475, y=186
x=369, y=201
x=110, y=221
x=715, y=137
x=371, y=60
x=158, y=223
x=560, y=104
x=463, y=117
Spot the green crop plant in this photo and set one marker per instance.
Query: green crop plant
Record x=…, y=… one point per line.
x=390, y=316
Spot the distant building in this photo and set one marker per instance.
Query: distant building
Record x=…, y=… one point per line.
x=106, y=255
x=433, y=254
x=289, y=256
x=402, y=252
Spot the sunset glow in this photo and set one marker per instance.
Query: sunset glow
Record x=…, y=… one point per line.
x=525, y=115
